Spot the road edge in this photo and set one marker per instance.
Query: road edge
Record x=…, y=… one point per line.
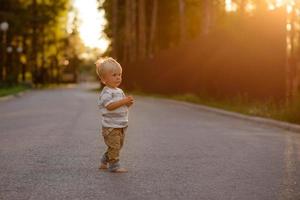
x=276, y=123
x=13, y=96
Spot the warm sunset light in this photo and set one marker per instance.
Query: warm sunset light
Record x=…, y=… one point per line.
x=278, y=3
x=230, y=6
x=91, y=24
x=250, y=7
x=193, y=99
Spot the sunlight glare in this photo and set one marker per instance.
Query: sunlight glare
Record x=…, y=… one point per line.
x=250, y=7
x=279, y=3
x=230, y=6
x=289, y=8
x=289, y=27
x=271, y=7
x=92, y=22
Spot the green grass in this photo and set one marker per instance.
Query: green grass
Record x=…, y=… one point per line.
x=53, y=85
x=6, y=89
x=10, y=90
x=241, y=104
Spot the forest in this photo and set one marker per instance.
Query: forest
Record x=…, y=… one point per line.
x=222, y=48
x=35, y=46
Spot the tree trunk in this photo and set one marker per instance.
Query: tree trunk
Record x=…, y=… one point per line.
x=142, y=31
x=2, y=53
x=182, y=25
x=293, y=55
x=23, y=63
x=133, y=34
x=207, y=17
x=127, y=29
x=153, y=28
x=114, y=28
x=34, y=38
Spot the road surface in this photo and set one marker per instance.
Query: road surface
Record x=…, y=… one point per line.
x=50, y=147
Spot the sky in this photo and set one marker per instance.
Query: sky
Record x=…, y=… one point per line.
x=92, y=23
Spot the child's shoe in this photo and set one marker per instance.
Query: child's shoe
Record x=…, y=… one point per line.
x=115, y=168
x=119, y=170
x=104, y=163
x=103, y=166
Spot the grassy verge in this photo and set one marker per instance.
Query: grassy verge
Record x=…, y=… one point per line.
x=6, y=90
x=240, y=104
x=13, y=89
x=54, y=85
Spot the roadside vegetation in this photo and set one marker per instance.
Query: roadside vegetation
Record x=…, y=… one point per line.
x=268, y=109
x=13, y=89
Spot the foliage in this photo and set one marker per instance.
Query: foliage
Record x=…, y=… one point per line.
x=39, y=27
x=12, y=89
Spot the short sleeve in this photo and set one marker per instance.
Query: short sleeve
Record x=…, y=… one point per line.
x=105, y=99
x=123, y=94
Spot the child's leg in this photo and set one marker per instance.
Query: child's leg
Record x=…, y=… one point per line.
x=122, y=135
x=104, y=162
x=104, y=159
x=113, y=138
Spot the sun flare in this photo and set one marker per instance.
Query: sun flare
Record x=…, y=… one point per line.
x=231, y=6
x=92, y=22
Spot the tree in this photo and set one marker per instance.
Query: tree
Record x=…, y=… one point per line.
x=133, y=31
x=37, y=27
x=153, y=25
x=127, y=28
x=114, y=27
x=207, y=17
x=142, y=29
x=182, y=24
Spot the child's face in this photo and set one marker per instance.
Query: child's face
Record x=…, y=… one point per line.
x=113, y=78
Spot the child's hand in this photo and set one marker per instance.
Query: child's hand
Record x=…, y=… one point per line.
x=129, y=101
x=129, y=104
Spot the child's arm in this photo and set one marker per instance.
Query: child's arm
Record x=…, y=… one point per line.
x=114, y=105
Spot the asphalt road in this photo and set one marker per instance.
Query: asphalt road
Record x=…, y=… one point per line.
x=50, y=147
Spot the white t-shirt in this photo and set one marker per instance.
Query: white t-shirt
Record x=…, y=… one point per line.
x=117, y=118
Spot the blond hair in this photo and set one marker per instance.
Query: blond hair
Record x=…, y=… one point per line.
x=106, y=64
